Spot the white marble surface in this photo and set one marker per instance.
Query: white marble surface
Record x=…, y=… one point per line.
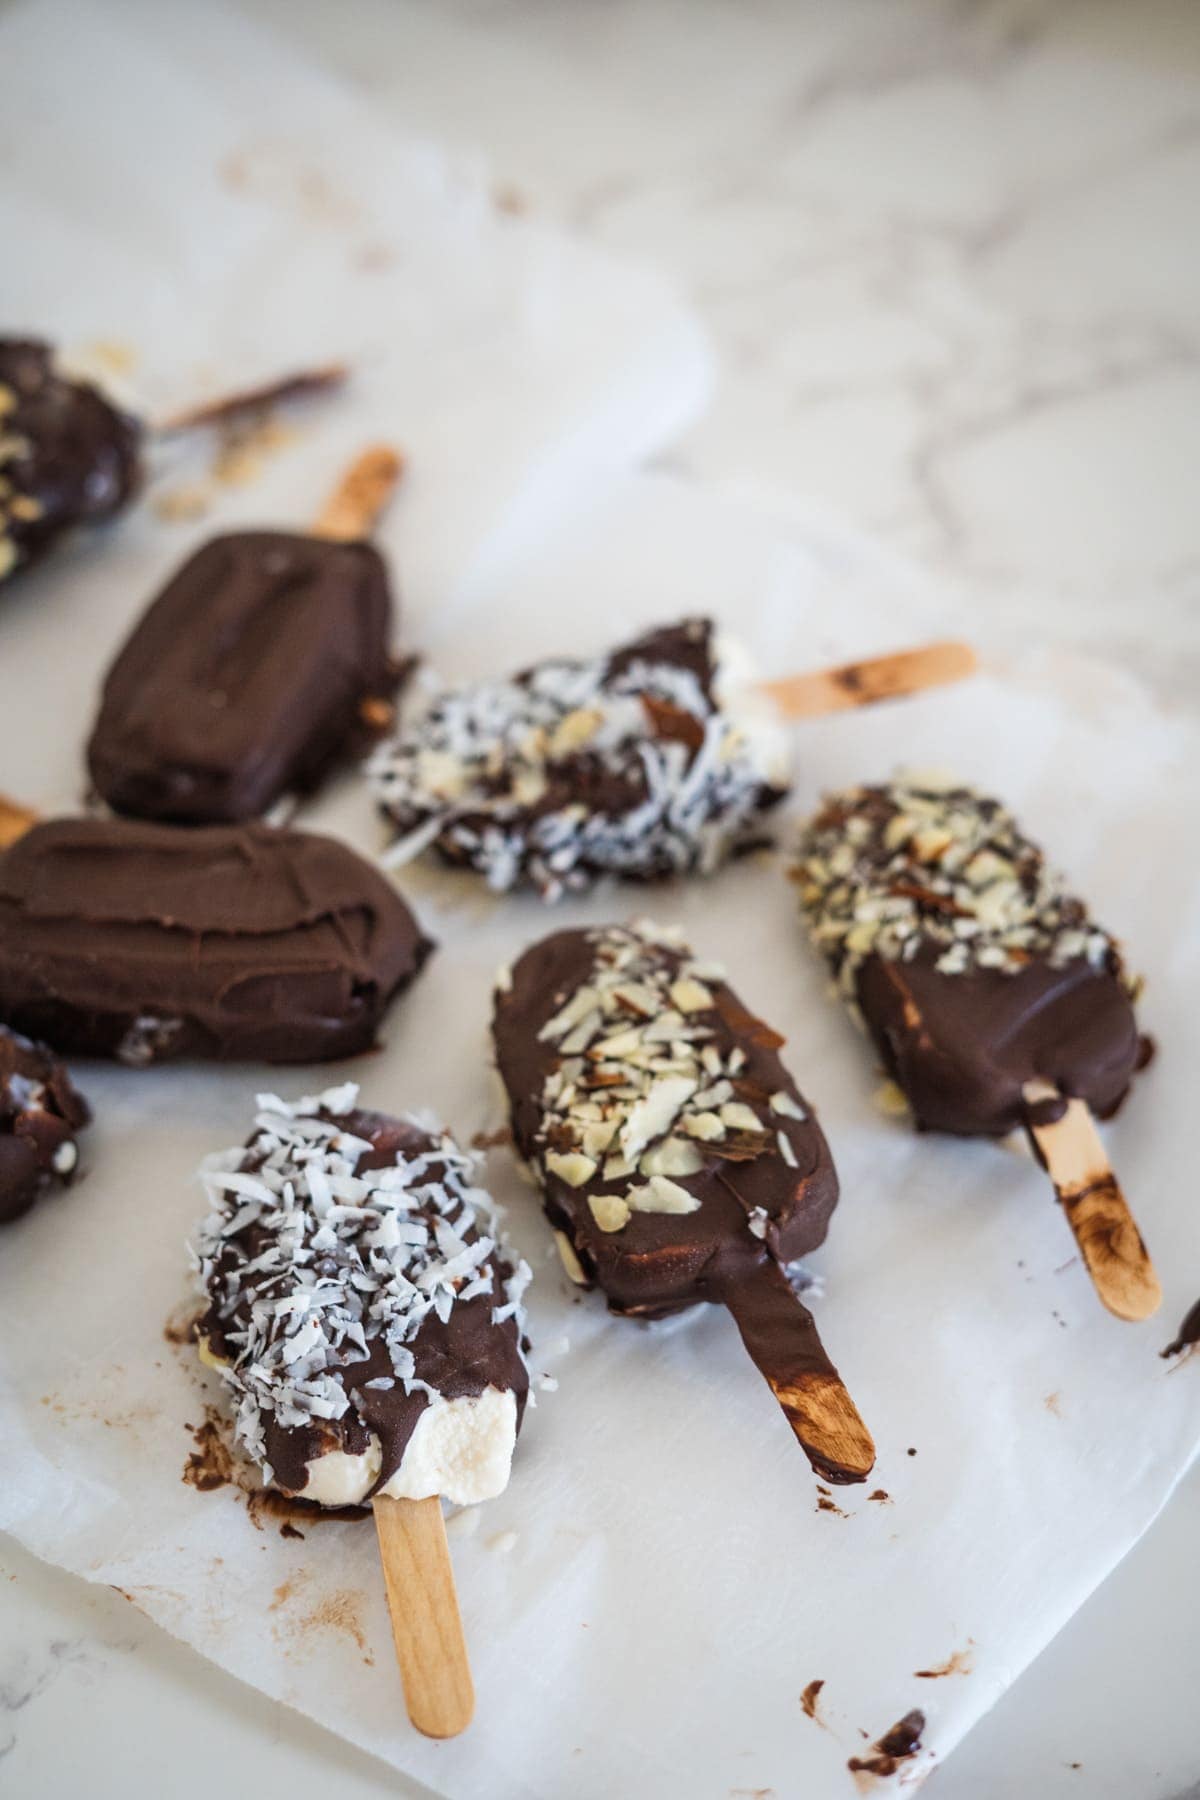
x=948, y=252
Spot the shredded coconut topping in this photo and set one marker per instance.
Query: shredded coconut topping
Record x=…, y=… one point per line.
x=620, y=764
x=307, y=1263
x=641, y=1097
x=924, y=862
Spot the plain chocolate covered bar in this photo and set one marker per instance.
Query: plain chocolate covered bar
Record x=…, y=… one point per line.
x=653, y=760
x=261, y=664
x=67, y=456
x=362, y=1306
x=144, y=942
x=973, y=969
x=41, y=1115
x=677, y=1159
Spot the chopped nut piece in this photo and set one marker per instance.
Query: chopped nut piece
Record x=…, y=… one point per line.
x=653, y=1116
x=609, y=1211
x=706, y=1125
x=572, y=1266
x=690, y=995
x=660, y=1196
x=674, y=1156
x=572, y=1168
x=739, y=1117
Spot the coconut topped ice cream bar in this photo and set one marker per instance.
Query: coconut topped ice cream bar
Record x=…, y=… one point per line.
x=362, y=1306
x=655, y=759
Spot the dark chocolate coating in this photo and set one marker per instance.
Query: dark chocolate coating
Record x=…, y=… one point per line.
x=459, y=1358
x=976, y=970
x=70, y=456
x=234, y=942
x=962, y=1047
x=659, y=1263
x=40, y=1113
x=599, y=809
x=245, y=679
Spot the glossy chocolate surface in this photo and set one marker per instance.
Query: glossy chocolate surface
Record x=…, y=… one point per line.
x=145, y=942
x=255, y=670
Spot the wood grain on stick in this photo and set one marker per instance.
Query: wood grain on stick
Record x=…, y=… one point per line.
x=863, y=683
x=426, y=1626
x=1109, y=1241
x=361, y=495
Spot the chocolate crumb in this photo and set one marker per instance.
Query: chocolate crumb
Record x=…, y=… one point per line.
x=180, y=1328
x=882, y=1495
x=958, y=1664
x=210, y=1465
x=491, y=1140
x=808, y=1701
x=896, y=1746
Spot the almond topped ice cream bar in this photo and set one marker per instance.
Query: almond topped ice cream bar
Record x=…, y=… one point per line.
x=974, y=970
x=362, y=1306
x=650, y=761
x=678, y=1160
x=67, y=455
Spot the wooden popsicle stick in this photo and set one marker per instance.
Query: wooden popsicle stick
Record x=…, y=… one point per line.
x=879, y=678
x=15, y=821
x=1110, y=1243
x=361, y=495
x=426, y=1626
x=297, y=386
x=781, y=1337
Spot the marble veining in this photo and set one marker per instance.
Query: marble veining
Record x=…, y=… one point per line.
x=945, y=249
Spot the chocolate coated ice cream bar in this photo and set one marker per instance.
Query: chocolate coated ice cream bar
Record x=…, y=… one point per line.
x=144, y=942
x=992, y=997
x=972, y=967
x=258, y=667
x=650, y=761
x=361, y=1306
x=677, y=1159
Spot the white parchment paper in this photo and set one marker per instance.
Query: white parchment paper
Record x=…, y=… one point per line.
x=650, y=1597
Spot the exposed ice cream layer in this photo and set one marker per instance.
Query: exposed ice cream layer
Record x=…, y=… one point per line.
x=461, y=1449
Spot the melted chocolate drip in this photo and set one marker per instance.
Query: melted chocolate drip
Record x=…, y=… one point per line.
x=40, y=1113
x=246, y=678
x=69, y=456
x=1188, y=1333
x=146, y=943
